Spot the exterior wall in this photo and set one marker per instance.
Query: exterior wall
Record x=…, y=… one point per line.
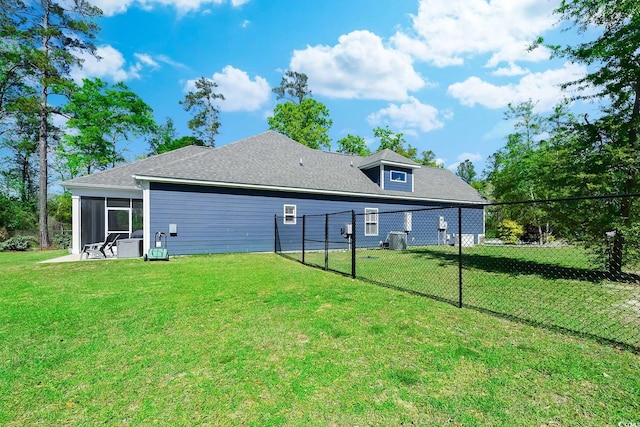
x=398, y=186
x=215, y=220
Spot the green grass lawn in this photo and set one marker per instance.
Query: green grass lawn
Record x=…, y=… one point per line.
x=259, y=340
x=554, y=286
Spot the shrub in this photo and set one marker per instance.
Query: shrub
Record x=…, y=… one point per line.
x=4, y=234
x=531, y=234
x=62, y=240
x=509, y=231
x=18, y=243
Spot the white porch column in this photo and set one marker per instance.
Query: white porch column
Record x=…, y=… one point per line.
x=146, y=213
x=75, y=225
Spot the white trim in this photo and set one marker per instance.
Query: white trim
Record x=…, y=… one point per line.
x=389, y=163
x=128, y=210
x=146, y=217
x=287, y=217
x=371, y=212
x=75, y=225
x=112, y=193
x=297, y=190
x=392, y=171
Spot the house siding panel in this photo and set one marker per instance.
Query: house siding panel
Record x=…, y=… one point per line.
x=394, y=185
x=216, y=220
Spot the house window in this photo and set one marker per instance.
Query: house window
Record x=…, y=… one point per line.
x=370, y=221
x=290, y=214
x=119, y=216
x=398, y=176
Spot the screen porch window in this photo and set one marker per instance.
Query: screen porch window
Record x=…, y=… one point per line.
x=398, y=176
x=119, y=216
x=370, y=221
x=290, y=214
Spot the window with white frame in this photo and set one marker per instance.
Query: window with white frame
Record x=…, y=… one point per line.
x=370, y=221
x=290, y=214
x=118, y=216
x=398, y=176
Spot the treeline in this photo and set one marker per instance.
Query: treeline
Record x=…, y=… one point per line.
x=559, y=155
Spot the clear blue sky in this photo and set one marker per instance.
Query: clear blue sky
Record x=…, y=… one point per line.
x=440, y=71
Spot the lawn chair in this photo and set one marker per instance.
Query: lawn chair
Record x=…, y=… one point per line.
x=100, y=248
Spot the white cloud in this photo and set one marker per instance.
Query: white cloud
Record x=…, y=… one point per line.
x=240, y=92
x=111, y=66
x=408, y=117
x=447, y=32
x=543, y=88
x=113, y=7
x=146, y=60
x=512, y=70
x=358, y=67
x=245, y=23
x=473, y=157
x=165, y=59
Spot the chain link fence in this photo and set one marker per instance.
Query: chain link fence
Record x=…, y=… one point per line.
x=570, y=264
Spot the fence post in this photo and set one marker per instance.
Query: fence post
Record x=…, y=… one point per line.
x=304, y=221
x=353, y=244
x=326, y=241
x=460, y=257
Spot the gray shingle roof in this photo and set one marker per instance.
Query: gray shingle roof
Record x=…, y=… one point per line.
x=389, y=156
x=274, y=160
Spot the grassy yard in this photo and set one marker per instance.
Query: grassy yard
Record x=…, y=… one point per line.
x=259, y=340
x=555, y=286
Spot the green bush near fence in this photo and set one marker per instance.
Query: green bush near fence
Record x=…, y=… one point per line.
x=510, y=231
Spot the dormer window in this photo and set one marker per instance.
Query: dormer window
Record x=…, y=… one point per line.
x=398, y=176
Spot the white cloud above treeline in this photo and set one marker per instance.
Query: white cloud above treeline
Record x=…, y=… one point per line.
x=110, y=64
x=360, y=66
x=114, y=7
x=542, y=87
x=408, y=117
x=446, y=32
x=241, y=93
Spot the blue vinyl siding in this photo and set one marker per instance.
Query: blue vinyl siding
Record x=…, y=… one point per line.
x=216, y=220
x=397, y=186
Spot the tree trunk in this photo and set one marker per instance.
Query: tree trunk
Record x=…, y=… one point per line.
x=43, y=146
x=45, y=241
